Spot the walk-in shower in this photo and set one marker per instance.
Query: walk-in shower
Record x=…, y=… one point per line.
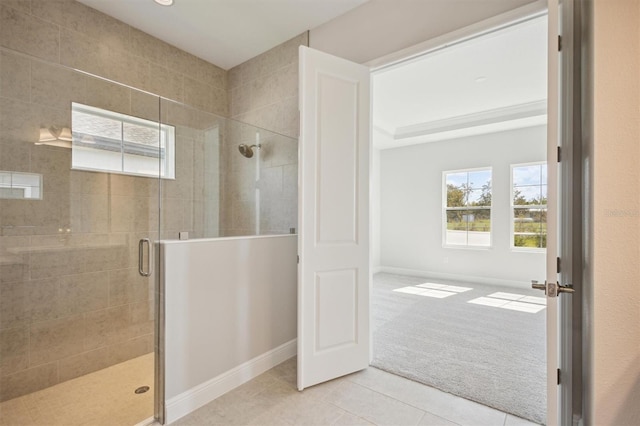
x=80, y=300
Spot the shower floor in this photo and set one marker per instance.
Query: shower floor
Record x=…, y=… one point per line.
x=105, y=397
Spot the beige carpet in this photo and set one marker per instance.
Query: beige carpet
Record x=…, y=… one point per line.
x=491, y=351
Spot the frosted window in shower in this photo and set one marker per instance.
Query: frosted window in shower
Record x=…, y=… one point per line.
x=112, y=142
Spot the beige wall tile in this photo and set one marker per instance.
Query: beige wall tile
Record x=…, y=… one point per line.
x=15, y=155
x=181, y=61
x=271, y=183
x=109, y=96
x=142, y=317
x=149, y=47
x=12, y=305
x=205, y=97
x=83, y=293
x=18, y=121
x=122, y=213
x=105, y=29
x=28, y=34
x=145, y=106
x=131, y=349
x=118, y=325
x=49, y=10
x=42, y=301
x=14, y=350
x=28, y=381
x=56, y=86
x=94, y=183
x=209, y=74
x=14, y=76
x=85, y=363
x=56, y=262
x=165, y=82
x=127, y=69
x=146, y=214
x=54, y=164
x=105, y=258
x=20, y=5
x=81, y=52
x=127, y=286
x=57, y=339
x=94, y=213
x=14, y=272
x=98, y=330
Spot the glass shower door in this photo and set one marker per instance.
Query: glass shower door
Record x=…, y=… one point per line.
x=80, y=164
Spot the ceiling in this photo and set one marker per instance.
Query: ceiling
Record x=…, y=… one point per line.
x=494, y=82
x=225, y=32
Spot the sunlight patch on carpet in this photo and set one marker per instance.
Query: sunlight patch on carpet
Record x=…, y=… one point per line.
x=514, y=302
x=438, y=291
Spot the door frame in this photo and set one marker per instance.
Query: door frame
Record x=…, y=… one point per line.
x=573, y=191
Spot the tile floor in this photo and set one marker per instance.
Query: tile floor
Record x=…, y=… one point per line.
x=369, y=397
x=105, y=397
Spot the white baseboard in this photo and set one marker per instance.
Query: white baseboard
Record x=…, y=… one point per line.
x=376, y=269
x=455, y=277
x=206, y=392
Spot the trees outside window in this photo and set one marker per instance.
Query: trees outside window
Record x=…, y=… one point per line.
x=467, y=208
x=529, y=206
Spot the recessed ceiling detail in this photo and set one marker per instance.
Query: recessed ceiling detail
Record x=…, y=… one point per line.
x=493, y=82
x=225, y=32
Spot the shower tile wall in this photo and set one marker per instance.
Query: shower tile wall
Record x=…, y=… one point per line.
x=264, y=92
x=71, y=299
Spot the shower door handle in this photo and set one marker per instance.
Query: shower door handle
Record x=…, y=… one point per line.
x=141, y=244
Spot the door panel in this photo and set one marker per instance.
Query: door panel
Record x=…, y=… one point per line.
x=333, y=274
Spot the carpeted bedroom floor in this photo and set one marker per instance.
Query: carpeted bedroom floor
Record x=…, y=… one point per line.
x=484, y=343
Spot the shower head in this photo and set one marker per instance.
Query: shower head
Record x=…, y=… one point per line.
x=247, y=150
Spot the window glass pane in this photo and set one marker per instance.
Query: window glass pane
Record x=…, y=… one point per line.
x=469, y=226
x=113, y=142
x=456, y=196
x=530, y=227
x=479, y=178
x=527, y=175
x=456, y=232
x=530, y=190
x=479, y=197
x=525, y=195
x=457, y=179
x=479, y=227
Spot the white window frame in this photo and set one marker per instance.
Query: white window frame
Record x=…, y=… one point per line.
x=166, y=168
x=512, y=211
x=445, y=209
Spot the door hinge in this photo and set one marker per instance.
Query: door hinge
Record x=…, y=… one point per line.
x=558, y=376
x=558, y=265
x=559, y=154
x=559, y=43
x=298, y=259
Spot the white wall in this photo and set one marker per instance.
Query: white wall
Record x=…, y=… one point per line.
x=381, y=27
x=615, y=267
x=411, y=208
x=376, y=261
x=230, y=314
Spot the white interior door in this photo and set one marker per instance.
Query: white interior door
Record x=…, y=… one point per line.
x=553, y=288
x=333, y=270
